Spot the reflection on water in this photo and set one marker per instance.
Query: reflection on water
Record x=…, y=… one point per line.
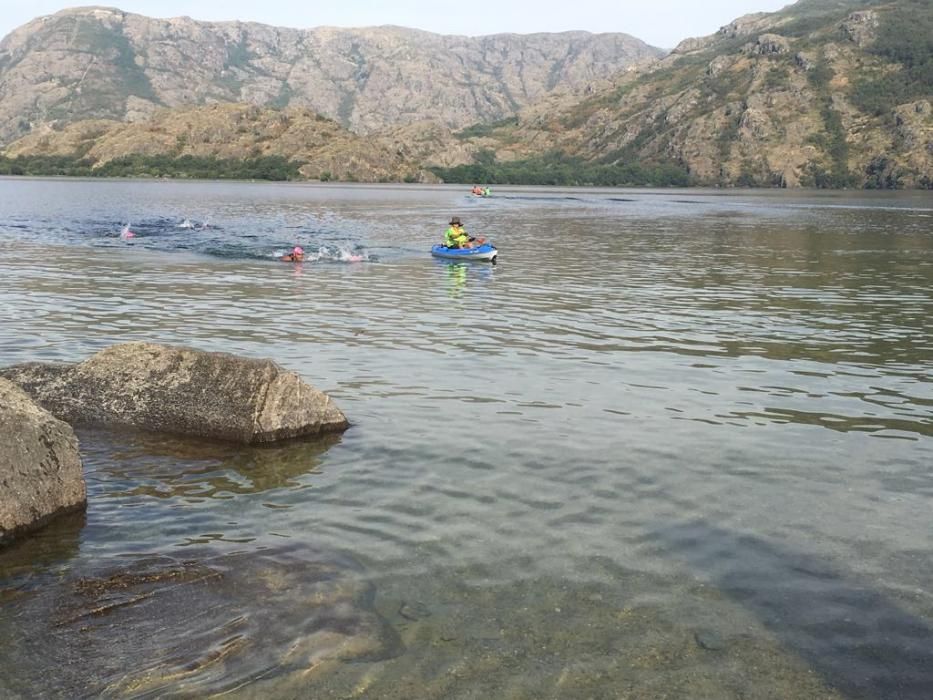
x=52, y=546
x=685, y=454
x=140, y=464
x=460, y=274
x=457, y=277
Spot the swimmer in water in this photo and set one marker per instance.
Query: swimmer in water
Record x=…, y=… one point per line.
x=297, y=255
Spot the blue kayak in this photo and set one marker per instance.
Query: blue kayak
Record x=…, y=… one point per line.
x=486, y=252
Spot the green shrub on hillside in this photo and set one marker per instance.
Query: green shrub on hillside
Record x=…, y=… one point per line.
x=200, y=167
x=478, y=130
x=558, y=169
x=904, y=37
x=881, y=174
x=45, y=165
x=832, y=140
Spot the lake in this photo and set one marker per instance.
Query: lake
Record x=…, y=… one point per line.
x=675, y=444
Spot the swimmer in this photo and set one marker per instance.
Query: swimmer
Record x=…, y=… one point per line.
x=297, y=255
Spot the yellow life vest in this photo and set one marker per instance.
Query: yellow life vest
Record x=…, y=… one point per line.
x=452, y=236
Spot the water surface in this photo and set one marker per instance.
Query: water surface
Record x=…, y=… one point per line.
x=675, y=444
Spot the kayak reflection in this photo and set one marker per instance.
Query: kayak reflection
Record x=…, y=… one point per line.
x=461, y=274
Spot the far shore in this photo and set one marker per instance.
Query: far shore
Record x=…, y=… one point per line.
x=707, y=190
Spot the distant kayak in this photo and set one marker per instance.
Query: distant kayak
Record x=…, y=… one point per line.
x=484, y=253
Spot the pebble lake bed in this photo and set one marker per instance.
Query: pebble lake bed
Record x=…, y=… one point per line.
x=675, y=444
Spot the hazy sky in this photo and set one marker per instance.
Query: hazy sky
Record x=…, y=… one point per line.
x=659, y=22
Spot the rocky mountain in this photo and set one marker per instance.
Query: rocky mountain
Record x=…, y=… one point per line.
x=102, y=63
x=825, y=93
x=830, y=93
x=321, y=148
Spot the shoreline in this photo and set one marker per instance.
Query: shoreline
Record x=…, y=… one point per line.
x=649, y=190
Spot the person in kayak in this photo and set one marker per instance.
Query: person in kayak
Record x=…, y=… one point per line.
x=455, y=236
x=297, y=255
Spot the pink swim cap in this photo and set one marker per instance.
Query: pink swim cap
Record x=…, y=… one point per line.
x=298, y=250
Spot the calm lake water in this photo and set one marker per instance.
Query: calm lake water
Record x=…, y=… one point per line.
x=676, y=444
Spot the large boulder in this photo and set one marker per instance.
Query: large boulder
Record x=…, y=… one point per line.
x=183, y=391
x=40, y=469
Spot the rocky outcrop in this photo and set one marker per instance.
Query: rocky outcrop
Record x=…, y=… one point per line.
x=743, y=25
x=102, y=63
x=860, y=27
x=694, y=43
x=770, y=45
x=183, y=391
x=40, y=469
x=718, y=65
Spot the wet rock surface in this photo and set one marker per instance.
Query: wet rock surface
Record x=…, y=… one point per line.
x=181, y=391
x=40, y=468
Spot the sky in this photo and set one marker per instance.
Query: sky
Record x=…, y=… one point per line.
x=659, y=22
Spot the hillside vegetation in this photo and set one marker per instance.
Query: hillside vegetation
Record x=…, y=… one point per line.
x=238, y=141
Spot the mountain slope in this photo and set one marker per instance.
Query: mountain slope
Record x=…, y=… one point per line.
x=93, y=63
x=824, y=93
x=320, y=148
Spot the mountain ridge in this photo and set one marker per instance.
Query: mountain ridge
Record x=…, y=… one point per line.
x=102, y=62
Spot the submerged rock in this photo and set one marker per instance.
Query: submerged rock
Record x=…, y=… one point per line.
x=208, y=622
x=183, y=391
x=40, y=468
x=710, y=640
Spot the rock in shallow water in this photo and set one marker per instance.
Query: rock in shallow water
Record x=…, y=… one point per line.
x=183, y=391
x=211, y=622
x=709, y=640
x=40, y=469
